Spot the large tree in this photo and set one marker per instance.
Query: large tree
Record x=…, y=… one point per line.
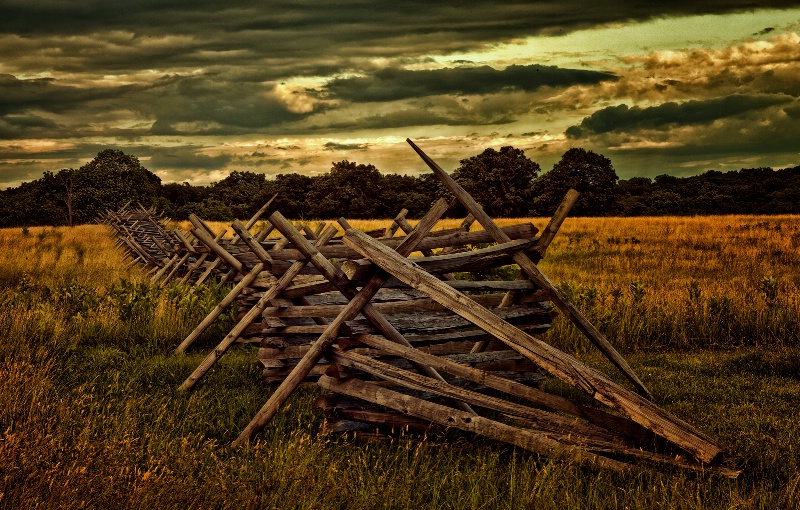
x=588, y=172
x=350, y=189
x=242, y=192
x=79, y=196
x=499, y=180
x=107, y=182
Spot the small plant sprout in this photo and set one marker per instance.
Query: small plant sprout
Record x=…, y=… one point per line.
x=637, y=291
x=768, y=286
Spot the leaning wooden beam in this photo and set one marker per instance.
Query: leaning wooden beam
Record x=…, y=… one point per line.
x=465, y=225
x=371, y=287
x=406, y=306
x=527, y=439
x=165, y=268
x=526, y=264
x=238, y=238
x=542, y=398
x=177, y=266
x=543, y=420
x=251, y=316
x=218, y=250
x=527, y=316
x=359, y=302
x=252, y=221
x=281, y=244
x=544, y=241
x=234, y=293
x=551, y=359
x=193, y=267
x=391, y=229
x=407, y=228
x=264, y=233
x=438, y=239
x=596, y=439
x=305, y=289
x=217, y=311
x=200, y=224
x=185, y=242
x=244, y=234
x=211, y=266
x=550, y=231
x=474, y=260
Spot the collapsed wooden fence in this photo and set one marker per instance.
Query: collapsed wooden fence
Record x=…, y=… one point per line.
x=399, y=342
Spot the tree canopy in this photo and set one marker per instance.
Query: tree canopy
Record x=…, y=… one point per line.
x=499, y=180
x=78, y=196
x=588, y=172
x=505, y=182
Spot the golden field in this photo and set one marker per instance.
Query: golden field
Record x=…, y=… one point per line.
x=705, y=309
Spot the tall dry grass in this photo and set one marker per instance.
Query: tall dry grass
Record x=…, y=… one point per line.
x=89, y=415
x=683, y=282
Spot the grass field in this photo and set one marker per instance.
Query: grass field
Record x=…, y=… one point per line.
x=705, y=309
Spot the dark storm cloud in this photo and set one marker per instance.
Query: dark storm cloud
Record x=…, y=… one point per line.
x=207, y=105
x=406, y=117
x=185, y=157
x=15, y=127
x=194, y=105
x=334, y=146
x=46, y=94
x=359, y=18
x=141, y=73
x=295, y=38
x=623, y=118
x=392, y=84
x=491, y=109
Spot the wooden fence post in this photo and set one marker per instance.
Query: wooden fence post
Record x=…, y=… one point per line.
x=526, y=264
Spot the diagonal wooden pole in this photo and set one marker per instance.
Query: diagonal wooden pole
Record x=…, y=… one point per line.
x=253, y=244
x=359, y=303
x=527, y=265
x=252, y=315
x=545, y=239
x=201, y=225
x=539, y=397
x=558, y=363
x=221, y=306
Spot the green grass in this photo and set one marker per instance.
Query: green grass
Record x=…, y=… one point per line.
x=90, y=416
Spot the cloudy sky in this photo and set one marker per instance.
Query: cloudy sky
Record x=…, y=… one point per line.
x=198, y=88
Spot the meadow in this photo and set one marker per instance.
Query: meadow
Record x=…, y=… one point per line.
x=705, y=309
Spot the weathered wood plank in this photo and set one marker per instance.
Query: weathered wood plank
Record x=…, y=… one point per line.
x=535, y=441
x=533, y=272
x=468, y=261
x=542, y=420
x=389, y=308
x=221, y=306
x=322, y=286
x=434, y=240
x=358, y=302
x=554, y=361
x=254, y=313
x=538, y=397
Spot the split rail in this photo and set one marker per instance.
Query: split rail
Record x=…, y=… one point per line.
x=414, y=342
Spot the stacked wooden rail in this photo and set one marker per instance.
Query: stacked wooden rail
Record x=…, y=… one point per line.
x=398, y=341
x=171, y=254
x=141, y=232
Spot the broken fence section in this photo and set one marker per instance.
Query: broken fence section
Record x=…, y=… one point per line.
x=400, y=342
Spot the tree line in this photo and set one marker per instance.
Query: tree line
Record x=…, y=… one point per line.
x=505, y=182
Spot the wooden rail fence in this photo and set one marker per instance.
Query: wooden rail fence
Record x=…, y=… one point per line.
x=400, y=330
